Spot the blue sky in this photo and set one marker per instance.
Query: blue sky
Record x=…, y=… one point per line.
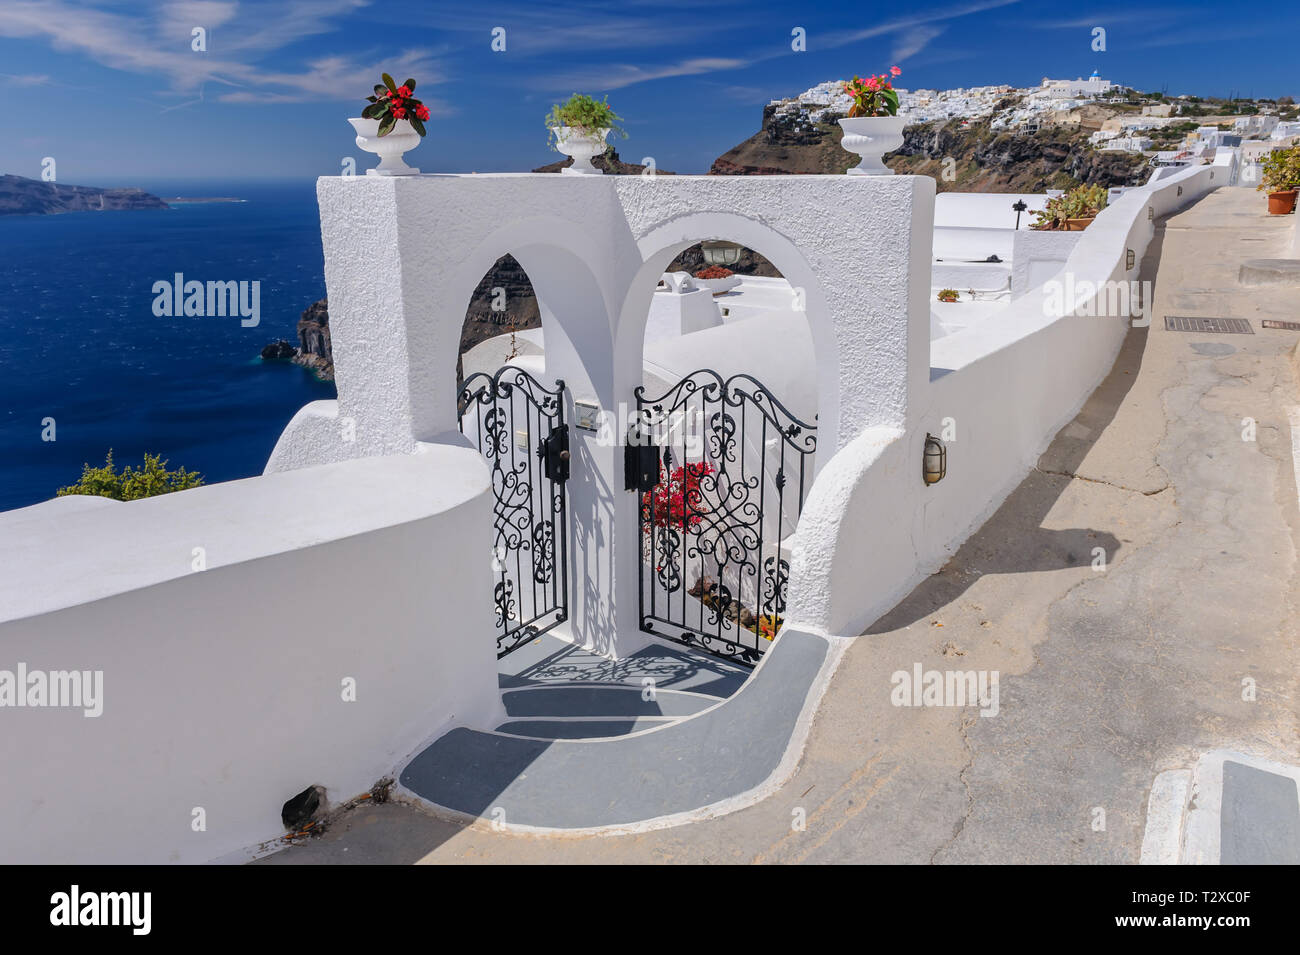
x=113, y=91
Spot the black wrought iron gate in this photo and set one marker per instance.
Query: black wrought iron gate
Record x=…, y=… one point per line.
x=519, y=426
x=721, y=468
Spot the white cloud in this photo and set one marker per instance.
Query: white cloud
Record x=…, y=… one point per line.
x=903, y=24
x=25, y=79
x=913, y=32
x=617, y=76
x=157, y=42
x=912, y=41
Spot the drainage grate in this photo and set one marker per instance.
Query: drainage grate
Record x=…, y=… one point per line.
x=1214, y=326
x=1289, y=326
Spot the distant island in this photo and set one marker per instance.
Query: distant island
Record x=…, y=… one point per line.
x=193, y=200
x=32, y=197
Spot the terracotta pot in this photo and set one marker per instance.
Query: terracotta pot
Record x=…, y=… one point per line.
x=1282, y=203
x=1076, y=225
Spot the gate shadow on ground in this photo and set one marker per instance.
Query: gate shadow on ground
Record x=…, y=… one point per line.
x=549, y=661
x=1013, y=540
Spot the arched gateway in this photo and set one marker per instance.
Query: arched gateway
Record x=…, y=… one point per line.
x=672, y=534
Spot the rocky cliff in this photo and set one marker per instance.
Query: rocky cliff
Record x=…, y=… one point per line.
x=20, y=196
x=313, y=349
x=786, y=145
x=986, y=160
x=983, y=160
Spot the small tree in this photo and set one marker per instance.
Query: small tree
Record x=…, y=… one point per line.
x=131, y=484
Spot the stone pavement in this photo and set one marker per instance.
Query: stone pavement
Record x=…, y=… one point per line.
x=1184, y=643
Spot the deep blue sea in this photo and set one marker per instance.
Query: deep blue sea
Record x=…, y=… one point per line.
x=79, y=342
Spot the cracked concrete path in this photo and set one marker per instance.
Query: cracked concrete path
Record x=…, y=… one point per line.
x=1107, y=677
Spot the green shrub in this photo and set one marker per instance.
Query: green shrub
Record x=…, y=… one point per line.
x=1082, y=202
x=585, y=114
x=131, y=484
x=1281, y=170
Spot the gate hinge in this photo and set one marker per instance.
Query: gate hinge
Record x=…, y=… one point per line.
x=554, y=452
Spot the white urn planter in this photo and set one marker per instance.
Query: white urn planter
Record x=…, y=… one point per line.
x=388, y=148
x=583, y=147
x=871, y=137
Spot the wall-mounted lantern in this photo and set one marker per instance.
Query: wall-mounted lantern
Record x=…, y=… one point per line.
x=1130, y=257
x=1180, y=190
x=718, y=252
x=934, y=463
x=1151, y=213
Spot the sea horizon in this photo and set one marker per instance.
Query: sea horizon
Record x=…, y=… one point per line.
x=83, y=347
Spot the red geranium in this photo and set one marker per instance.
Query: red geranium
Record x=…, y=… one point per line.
x=873, y=96
x=392, y=102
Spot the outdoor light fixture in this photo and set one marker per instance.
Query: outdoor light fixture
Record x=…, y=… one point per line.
x=934, y=463
x=717, y=252
x=1180, y=190
x=1129, y=258
x=1019, y=206
x=1151, y=213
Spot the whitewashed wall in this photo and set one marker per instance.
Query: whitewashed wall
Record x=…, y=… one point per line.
x=402, y=257
x=1038, y=256
x=872, y=529
x=223, y=688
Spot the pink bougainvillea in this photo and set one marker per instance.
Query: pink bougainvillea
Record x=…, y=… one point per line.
x=676, y=500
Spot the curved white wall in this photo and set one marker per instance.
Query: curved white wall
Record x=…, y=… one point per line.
x=223, y=689
x=872, y=529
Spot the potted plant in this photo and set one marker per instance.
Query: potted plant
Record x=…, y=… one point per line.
x=948, y=295
x=873, y=126
x=717, y=279
x=392, y=124
x=1072, y=211
x=1281, y=177
x=578, y=128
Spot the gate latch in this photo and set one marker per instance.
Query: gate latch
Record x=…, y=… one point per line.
x=554, y=452
x=640, y=462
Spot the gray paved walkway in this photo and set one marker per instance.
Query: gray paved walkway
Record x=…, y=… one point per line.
x=1106, y=678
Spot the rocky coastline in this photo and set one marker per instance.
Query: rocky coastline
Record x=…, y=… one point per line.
x=313, y=349
x=20, y=196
